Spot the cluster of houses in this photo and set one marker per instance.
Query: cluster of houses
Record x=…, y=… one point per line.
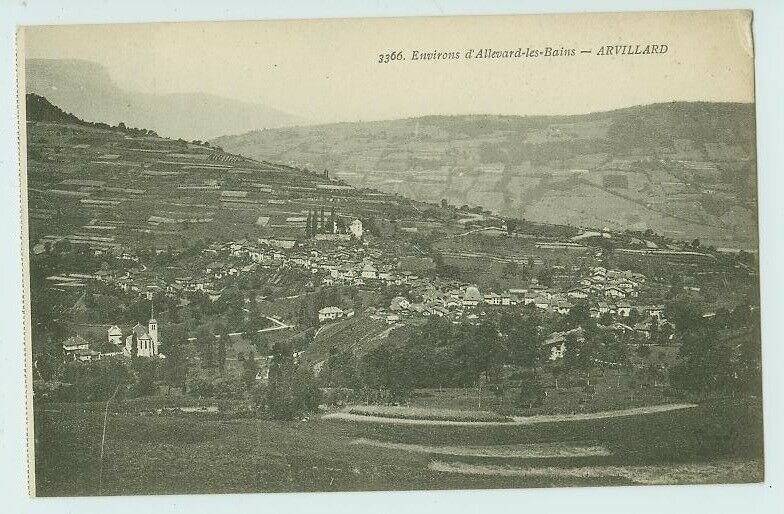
x=605, y=291
x=608, y=292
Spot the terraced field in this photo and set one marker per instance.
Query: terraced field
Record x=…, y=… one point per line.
x=111, y=190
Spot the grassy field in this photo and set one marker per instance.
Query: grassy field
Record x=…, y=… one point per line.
x=189, y=454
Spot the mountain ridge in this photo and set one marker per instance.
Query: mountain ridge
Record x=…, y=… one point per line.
x=686, y=169
x=86, y=89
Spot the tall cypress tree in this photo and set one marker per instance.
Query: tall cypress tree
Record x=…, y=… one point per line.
x=308, y=223
x=321, y=226
x=222, y=342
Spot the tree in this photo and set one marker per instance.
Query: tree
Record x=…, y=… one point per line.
x=511, y=269
x=309, y=226
x=175, y=365
x=145, y=371
x=97, y=380
x=250, y=370
x=206, y=343
x=522, y=341
x=357, y=303
x=557, y=370
x=578, y=314
x=483, y=351
x=292, y=390
x=707, y=364
x=531, y=390
x=683, y=311
x=222, y=342
x=545, y=277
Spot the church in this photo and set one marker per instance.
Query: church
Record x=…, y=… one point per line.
x=147, y=342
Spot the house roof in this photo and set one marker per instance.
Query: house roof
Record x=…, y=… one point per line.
x=472, y=293
x=330, y=310
x=140, y=331
x=558, y=337
x=75, y=341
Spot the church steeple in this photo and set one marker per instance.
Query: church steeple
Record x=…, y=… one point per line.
x=152, y=329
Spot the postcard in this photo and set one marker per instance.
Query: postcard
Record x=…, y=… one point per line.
x=458, y=252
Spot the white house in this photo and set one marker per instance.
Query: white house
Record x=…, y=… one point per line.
x=330, y=313
x=624, y=309
x=356, y=229
x=391, y=319
x=556, y=342
x=114, y=335
x=369, y=271
x=399, y=303
x=563, y=307
x=493, y=299
x=77, y=348
x=541, y=302
x=578, y=292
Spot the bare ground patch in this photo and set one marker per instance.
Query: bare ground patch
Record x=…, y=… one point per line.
x=524, y=451
x=691, y=473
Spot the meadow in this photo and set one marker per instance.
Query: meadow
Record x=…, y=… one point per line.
x=720, y=441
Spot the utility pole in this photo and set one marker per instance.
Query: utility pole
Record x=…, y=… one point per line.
x=103, y=439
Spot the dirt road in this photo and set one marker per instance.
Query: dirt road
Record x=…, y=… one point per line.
x=517, y=420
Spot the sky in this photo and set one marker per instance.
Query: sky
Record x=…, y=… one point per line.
x=327, y=70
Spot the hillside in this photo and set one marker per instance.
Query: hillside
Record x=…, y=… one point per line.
x=117, y=188
x=39, y=108
x=86, y=89
x=685, y=170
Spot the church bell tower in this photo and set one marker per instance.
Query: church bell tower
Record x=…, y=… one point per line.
x=152, y=329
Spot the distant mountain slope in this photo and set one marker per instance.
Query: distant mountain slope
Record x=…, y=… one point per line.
x=85, y=89
x=123, y=188
x=683, y=169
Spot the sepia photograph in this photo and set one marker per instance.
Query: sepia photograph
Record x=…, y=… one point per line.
x=391, y=254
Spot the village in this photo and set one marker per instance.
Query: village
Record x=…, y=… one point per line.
x=178, y=283
x=239, y=262
x=349, y=260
